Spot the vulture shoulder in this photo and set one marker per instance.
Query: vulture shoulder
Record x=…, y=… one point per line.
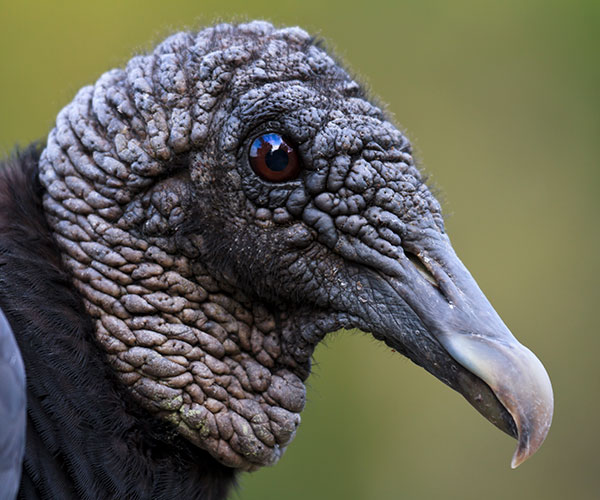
x=12, y=410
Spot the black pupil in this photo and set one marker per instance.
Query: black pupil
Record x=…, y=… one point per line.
x=277, y=160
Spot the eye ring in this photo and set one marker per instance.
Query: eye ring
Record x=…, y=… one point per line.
x=273, y=158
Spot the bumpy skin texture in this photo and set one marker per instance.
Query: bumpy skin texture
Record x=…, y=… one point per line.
x=85, y=438
x=209, y=287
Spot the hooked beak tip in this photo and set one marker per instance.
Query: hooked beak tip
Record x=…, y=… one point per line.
x=519, y=457
x=532, y=408
x=519, y=381
x=527, y=446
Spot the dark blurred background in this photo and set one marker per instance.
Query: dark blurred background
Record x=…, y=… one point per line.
x=502, y=102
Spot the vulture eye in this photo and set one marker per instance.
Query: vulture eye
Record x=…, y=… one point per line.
x=273, y=158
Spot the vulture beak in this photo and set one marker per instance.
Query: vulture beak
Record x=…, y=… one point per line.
x=436, y=286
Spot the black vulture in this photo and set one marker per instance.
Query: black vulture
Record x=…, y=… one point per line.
x=191, y=228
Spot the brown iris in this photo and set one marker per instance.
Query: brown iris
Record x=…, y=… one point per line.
x=273, y=158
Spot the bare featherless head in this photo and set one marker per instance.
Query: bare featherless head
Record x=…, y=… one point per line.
x=224, y=202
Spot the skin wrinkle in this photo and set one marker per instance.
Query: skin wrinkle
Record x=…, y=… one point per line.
x=209, y=287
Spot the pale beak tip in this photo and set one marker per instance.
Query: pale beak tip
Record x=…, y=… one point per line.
x=517, y=378
x=519, y=457
x=533, y=432
x=523, y=452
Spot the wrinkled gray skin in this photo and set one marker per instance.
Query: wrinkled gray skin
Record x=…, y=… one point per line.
x=210, y=287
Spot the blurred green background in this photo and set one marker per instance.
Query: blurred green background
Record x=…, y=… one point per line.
x=502, y=102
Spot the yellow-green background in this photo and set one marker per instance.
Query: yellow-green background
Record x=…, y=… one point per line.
x=502, y=101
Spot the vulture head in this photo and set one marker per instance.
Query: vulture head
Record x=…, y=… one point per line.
x=224, y=202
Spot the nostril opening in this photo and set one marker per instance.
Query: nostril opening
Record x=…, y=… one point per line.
x=418, y=263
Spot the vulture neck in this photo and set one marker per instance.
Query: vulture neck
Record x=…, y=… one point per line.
x=85, y=437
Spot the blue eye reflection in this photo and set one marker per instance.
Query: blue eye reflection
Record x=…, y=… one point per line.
x=273, y=148
x=273, y=158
